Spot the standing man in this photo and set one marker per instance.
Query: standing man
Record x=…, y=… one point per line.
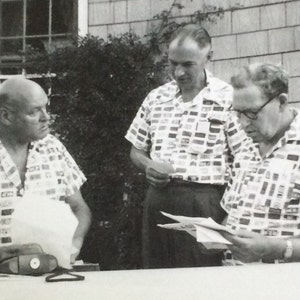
x=178, y=140
x=263, y=199
x=32, y=160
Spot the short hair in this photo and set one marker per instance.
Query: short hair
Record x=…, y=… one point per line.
x=271, y=79
x=194, y=31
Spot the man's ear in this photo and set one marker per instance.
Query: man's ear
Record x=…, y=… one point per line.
x=283, y=99
x=5, y=116
x=210, y=55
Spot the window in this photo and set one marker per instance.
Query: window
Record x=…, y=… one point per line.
x=42, y=25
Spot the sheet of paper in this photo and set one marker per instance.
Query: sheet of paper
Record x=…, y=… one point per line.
x=201, y=234
x=205, y=230
x=205, y=235
x=189, y=228
x=49, y=223
x=178, y=226
x=204, y=222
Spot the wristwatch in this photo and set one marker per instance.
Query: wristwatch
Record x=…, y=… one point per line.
x=288, y=252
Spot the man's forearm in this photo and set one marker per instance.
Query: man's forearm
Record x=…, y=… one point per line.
x=83, y=216
x=139, y=158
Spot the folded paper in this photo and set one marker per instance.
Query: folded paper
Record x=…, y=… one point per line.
x=205, y=230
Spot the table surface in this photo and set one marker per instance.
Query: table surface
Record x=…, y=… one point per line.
x=255, y=282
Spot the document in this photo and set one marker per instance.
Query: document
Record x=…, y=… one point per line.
x=205, y=230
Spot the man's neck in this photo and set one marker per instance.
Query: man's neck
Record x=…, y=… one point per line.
x=13, y=145
x=190, y=94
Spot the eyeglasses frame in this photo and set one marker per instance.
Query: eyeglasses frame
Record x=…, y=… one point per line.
x=255, y=113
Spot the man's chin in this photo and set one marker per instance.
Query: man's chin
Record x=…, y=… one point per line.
x=183, y=84
x=41, y=135
x=253, y=136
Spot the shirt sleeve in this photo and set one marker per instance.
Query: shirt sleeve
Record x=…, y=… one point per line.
x=224, y=201
x=73, y=176
x=139, y=132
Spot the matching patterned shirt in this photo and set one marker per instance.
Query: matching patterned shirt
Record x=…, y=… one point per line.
x=191, y=136
x=264, y=196
x=50, y=172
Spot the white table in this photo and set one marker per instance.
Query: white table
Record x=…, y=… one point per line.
x=255, y=282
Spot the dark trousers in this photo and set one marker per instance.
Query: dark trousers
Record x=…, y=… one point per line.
x=165, y=248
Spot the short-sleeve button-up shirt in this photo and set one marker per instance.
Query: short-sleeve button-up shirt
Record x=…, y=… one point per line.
x=264, y=196
x=50, y=172
x=190, y=136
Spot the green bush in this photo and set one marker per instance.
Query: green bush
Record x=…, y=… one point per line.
x=98, y=88
x=96, y=93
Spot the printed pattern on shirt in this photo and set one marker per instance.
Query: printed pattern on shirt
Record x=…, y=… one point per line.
x=190, y=136
x=50, y=172
x=264, y=196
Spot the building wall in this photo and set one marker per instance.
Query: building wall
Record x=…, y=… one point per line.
x=248, y=30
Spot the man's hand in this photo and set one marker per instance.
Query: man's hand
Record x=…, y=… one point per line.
x=250, y=246
x=83, y=215
x=158, y=173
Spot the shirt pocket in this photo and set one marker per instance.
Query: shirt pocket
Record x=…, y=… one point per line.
x=208, y=138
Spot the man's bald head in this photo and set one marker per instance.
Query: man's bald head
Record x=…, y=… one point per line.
x=23, y=111
x=17, y=90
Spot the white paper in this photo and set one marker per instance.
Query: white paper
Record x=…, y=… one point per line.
x=49, y=223
x=204, y=230
x=204, y=222
x=205, y=235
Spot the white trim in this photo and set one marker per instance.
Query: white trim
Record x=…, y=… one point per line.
x=83, y=6
x=29, y=76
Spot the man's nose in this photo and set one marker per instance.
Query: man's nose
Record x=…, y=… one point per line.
x=45, y=115
x=179, y=71
x=244, y=120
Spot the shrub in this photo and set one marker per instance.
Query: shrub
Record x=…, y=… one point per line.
x=95, y=95
x=98, y=88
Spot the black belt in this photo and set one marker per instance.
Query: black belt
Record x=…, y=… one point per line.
x=180, y=182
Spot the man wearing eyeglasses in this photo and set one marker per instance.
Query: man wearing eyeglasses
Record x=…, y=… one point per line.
x=263, y=199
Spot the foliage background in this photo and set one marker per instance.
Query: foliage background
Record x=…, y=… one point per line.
x=98, y=88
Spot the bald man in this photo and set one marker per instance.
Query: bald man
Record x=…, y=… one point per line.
x=34, y=161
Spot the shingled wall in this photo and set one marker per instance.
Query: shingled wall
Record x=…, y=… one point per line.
x=248, y=30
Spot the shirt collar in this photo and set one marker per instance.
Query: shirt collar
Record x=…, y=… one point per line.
x=9, y=167
x=215, y=90
x=293, y=133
